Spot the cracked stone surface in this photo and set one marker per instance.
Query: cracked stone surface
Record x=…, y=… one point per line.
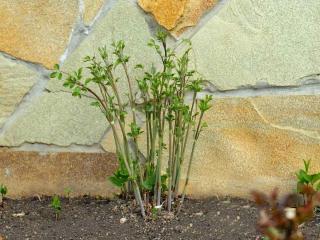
x=123, y=22
x=259, y=42
x=256, y=143
x=57, y=118
x=38, y=30
x=16, y=80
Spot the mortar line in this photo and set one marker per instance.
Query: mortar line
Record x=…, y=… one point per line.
x=43, y=147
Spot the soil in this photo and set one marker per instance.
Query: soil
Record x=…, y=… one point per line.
x=88, y=218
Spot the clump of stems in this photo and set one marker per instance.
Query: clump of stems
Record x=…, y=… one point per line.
x=171, y=123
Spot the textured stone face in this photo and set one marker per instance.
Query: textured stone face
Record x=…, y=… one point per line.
x=256, y=143
x=123, y=22
x=15, y=81
x=251, y=143
x=91, y=9
x=167, y=13
x=177, y=15
x=36, y=31
x=57, y=118
x=192, y=13
x=28, y=174
x=253, y=42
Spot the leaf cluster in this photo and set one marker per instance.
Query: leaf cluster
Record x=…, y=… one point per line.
x=304, y=177
x=280, y=218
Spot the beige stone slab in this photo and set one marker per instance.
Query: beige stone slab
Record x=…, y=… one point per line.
x=91, y=9
x=59, y=119
x=249, y=43
x=123, y=22
x=29, y=174
x=16, y=80
x=38, y=30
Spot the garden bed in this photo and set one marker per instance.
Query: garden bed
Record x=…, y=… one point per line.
x=88, y=218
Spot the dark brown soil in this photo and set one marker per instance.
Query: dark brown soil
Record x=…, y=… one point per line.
x=87, y=218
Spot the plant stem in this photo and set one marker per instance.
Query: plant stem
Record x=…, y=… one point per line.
x=190, y=161
x=138, y=198
x=170, y=167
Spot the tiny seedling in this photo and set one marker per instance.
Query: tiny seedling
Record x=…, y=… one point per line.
x=67, y=192
x=304, y=178
x=3, y=192
x=56, y=205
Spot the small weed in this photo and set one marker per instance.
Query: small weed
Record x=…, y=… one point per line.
x=56, y=205
x=3, y=192
x=304, y=178
x=67, y=192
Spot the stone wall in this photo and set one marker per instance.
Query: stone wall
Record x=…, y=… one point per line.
x=261, y=60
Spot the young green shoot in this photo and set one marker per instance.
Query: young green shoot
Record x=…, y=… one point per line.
x=56, y=206
x=3, y=193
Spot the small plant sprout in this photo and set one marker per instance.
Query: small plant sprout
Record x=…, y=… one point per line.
x=3, y=193
x=150, y=170
x=56, y=206
x=67, y=192
x=305, y=178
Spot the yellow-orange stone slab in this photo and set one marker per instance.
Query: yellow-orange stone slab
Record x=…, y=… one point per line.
x=256, y=143
x=177, y=15
x=36, y=30
x=166, y=12
x=252, y=143
x=192, y=14
x=28, y=174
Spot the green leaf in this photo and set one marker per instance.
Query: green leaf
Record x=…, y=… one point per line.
x=315, y=178
x=95, y=104
x=150, y=181
x=59, y=75
x=118, y=182
x=3, y=190
x=56, y=67
x=66, y=84
x=53, y=74
x=76, y=92
x=56, y=203
x=306, y=165
x=86, y=59
x=305, y=177
x=164, y=184
x=139, y=66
